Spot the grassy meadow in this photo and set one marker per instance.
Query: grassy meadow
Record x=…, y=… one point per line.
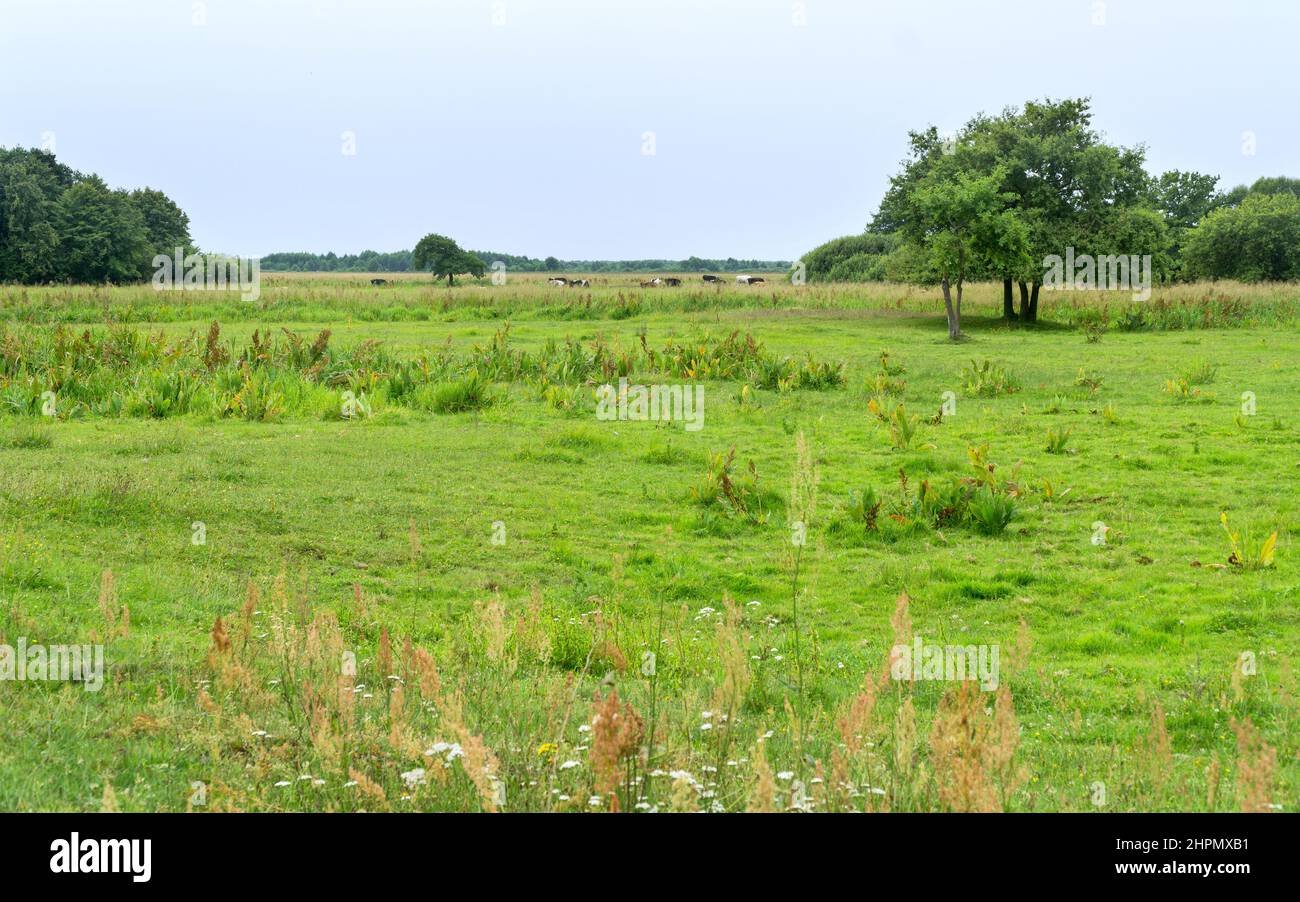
x=361, y=547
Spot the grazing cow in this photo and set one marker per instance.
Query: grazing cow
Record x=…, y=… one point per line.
x=671, y=283
x=378, y=281
x=653, y=283
x=579, y=283
x=557, y=281
x=712, y=279
x=749, y=280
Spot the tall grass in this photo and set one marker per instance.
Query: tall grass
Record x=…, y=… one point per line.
x=335, y=298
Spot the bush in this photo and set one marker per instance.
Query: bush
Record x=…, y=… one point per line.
x=1258, y=240
x=853, y=258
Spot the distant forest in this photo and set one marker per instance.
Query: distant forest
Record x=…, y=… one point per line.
x=400, y=261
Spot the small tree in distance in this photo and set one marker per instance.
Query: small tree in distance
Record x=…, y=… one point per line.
x=444, y=257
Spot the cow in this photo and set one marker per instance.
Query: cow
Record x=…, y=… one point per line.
x=579, y=283
x=749, y=280
x=558, y=281
x=378, y=281
x=672, y=283
x=712, y=279
x=653, y=283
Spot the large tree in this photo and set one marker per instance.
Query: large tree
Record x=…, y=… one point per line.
x=57, y=224
x=102, y=236
x=444, y=257
x=166, y=225
x=31, y=183
x=1066, y=186
x=962, y=221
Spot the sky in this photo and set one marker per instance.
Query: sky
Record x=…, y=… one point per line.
x=620, y=129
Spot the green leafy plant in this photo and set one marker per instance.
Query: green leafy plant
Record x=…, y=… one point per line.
x=1201, y=372
x=1245, y=553
x=990, y=512
x=1057, y=439
x=864, y=507
x=738, y=494
x=987, y=379
x=1088, y=380
x=902, y=428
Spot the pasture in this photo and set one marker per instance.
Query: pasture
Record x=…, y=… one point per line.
x=404, y=565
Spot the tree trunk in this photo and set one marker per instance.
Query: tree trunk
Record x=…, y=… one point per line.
x=1008, y=302
x=449, y=280
x=1033, y=302
x=1024, y=301
x=954, y=314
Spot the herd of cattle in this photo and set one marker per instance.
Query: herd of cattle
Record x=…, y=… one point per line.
x=561, y=281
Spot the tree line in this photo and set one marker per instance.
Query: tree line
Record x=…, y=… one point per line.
x=1005, y=192
x=401, y=261
x=60, y=225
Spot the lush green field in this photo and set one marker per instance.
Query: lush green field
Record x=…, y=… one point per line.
x=532, y=554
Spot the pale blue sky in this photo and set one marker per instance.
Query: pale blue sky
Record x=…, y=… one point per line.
x=527, y=137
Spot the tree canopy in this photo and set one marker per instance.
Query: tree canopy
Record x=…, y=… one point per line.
x=1256, y=240
x=57, y=224
x=1012, y=189
x=444, y=257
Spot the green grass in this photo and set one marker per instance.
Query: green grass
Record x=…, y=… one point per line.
x=601, y=516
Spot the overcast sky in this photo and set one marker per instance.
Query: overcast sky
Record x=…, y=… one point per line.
x=527, y=127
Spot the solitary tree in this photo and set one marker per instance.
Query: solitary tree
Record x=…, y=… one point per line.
x=956, y=219
x=1066, y=186
x=444, y=257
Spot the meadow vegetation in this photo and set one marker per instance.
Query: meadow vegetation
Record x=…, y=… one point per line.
x=369, y=548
